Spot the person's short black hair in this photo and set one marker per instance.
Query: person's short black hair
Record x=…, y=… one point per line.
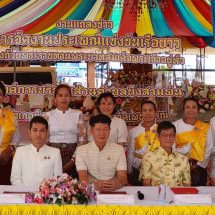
x=164, y=125
x=100, y=118
x=3, y=88
x=39, y=119
x=62, y=86
x=105, y=95
x=190, y=99
x=148, y=102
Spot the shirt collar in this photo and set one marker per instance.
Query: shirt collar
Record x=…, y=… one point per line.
x=151, y=128
x=94, y=144
x=34, y=149
x=154, y=127
x=60, y=111
x=174, y=152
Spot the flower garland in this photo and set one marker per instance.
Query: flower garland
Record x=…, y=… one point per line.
x=205, y=95
x=61, y=190
x=126, y=78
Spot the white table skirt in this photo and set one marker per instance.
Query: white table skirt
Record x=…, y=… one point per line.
x=150, y=193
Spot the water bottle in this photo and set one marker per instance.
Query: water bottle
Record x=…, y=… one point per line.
x=82, y=131
x=91, y=192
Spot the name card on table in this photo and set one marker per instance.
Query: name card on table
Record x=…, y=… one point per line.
x=12, y=198
x=115, y=199
x=192, y=199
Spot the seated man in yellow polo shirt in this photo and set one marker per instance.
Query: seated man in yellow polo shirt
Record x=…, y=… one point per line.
x=165, y=165
x=99, y=161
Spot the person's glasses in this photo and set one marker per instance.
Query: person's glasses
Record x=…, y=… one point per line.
x=171, y=136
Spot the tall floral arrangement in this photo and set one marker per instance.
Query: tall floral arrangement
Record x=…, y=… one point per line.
x=60, y=190
x=205, y=95
x=126, y=78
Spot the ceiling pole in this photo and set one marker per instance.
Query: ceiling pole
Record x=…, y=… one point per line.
x=90, y=74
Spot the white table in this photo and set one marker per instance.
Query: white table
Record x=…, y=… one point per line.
x=150, y=193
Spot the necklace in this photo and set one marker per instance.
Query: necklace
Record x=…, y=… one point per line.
x=147, y=137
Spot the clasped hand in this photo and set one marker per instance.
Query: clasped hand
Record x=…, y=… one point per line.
x=107, y=185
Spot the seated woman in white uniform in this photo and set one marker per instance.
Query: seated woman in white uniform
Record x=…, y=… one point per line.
x=63, y=124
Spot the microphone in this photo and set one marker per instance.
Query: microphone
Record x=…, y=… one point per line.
x=140, y=195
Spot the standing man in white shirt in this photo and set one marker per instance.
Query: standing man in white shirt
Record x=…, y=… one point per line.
x=100, y=161
x=36, y=161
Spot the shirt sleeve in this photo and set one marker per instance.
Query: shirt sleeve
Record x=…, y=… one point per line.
x=74, y=155
x=131, y=150
x=186, y=173
x=122, y=165
x=58, y=169
x=208, y=149
x=122, y=132
x=16, y=136
x=145, y=169
x=89, y=134
x=79, y=160
x=16, y=172
x=184, y=149
x=46, y=115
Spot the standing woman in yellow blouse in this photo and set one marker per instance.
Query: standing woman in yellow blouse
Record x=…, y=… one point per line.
x=9, y=138
x=194, y=139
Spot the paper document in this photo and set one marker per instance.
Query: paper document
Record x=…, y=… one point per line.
x=12, y=198
x=115, y=199
x=193, y=199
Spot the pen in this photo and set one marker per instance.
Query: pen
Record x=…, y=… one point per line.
x=171, y=202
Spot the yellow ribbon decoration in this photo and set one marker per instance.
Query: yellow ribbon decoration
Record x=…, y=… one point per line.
x=197, y=138
x=48, y=24
x=5, y=2
x=144, y=23
x=63, y=17
x=8, y=127
x=98, y=17
x=108, y=209
x=148, y=137
x=91, y=16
